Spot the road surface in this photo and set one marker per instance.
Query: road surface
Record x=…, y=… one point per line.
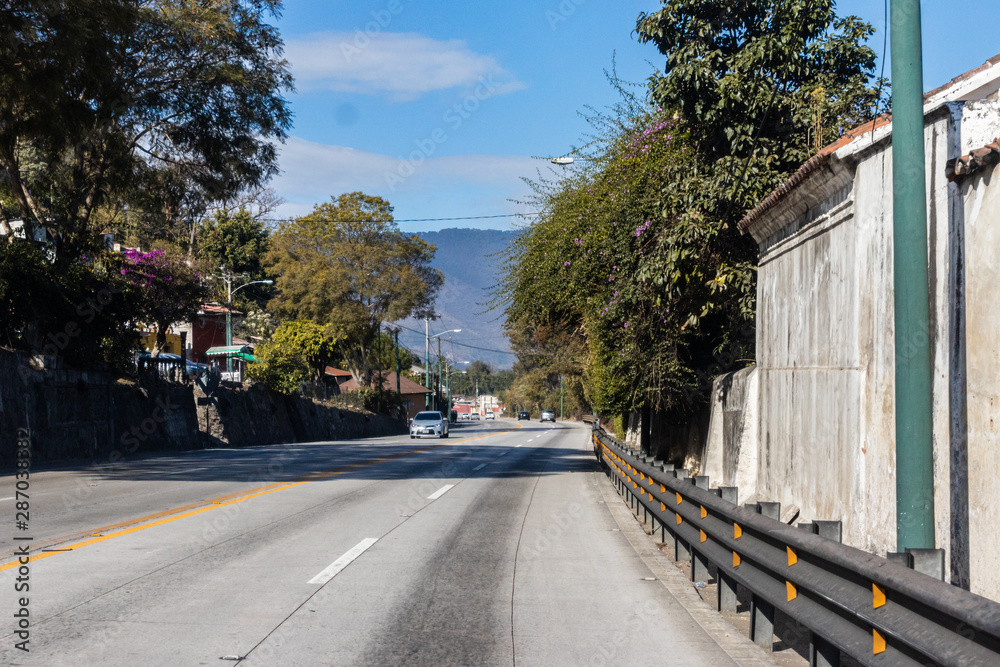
x=496, y=546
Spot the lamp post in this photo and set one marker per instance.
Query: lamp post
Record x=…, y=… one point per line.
x=567, y=160
x=229, y=310
x=560, y=398
x=449, y=387
x=427, y=354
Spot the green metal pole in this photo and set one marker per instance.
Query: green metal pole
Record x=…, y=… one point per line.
x=427, y=362
x=438, y=388
x=448, y=416
x=229, y=326
x=914, y=451
x=399, y=392
x=560, y=397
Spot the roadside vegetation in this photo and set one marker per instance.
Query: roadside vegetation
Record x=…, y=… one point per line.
x=100, y=143
x=634, y=285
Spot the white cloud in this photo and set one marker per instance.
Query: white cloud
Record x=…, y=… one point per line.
x=429, y=187
x=405, y=65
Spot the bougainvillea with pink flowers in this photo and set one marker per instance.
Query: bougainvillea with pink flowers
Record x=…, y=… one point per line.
x=164, y=291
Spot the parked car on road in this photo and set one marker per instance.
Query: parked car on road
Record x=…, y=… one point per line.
x=523, y=415
x=475, y=415
x=431, y=422
x=490, y=415
x=548, y=416
x=464, y=416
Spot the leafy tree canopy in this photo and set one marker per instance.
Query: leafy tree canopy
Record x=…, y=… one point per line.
x=635, y=261
x=308, y=340
x=348, y=266
x=104, y=97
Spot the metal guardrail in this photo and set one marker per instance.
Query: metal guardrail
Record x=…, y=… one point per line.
x=854, y=603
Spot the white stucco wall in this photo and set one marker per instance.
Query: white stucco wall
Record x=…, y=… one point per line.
x=980, y=206
x=826, y=351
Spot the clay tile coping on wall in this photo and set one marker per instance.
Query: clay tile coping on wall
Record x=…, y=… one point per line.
x=980, y=158
x=811, y=165
x=816, y=161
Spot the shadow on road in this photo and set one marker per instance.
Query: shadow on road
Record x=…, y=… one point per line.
x=386, y=458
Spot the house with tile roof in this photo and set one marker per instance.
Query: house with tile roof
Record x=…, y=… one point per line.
x=413, y=394
x=813, y=423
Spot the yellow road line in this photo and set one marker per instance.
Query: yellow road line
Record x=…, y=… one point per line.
x=168, y=516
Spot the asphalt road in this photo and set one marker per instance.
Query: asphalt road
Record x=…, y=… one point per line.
x=495, y=546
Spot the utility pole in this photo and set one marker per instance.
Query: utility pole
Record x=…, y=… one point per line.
x=914, y=448
x=560, y=397
x=399, y=391
x=439, y=374
x=427, y=361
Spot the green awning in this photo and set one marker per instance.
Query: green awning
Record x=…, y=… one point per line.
x=227, y=350
x=245, y=356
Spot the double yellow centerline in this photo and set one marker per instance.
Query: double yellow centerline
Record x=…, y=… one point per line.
x=167, y=516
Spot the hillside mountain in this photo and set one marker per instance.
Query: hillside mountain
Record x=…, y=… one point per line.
x=469, y=259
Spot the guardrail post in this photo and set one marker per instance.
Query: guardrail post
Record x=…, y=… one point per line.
x=681, y=549
x=667, y=467
x=928, y=561
x=770, y=510
x=701, y=481
x=762, y=623
x=681, y=473
x=699, y=567
x=726, y=592
x=728, y=493
x=822, y=653
x=831, y=530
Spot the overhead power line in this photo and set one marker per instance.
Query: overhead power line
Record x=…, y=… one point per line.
x=467, y=217
x=474, y=347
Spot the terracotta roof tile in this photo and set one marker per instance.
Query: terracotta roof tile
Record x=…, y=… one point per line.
x=978, y=159
x=816, y=161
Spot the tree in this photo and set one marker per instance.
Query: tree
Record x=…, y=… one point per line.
x=100, y=95
x=236, y=241
x=348, y=266
x=80, y=313
x=164, y=291
x=310, y=341
x=282, y=369
x=637, y=259
x=297, y=352
x=754, y=80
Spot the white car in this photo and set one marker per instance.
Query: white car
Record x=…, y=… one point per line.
x=548, y=416
x=490, y=415
x=431, y=422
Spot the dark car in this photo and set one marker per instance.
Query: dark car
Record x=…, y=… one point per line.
x=523, y=415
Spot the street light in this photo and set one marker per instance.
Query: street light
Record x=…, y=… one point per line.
x=427, y=354
x=450, y=373
x=229, y=311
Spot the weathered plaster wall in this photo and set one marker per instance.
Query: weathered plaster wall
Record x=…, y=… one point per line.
x=730, y=457
x=979, y=461
x=826, y=348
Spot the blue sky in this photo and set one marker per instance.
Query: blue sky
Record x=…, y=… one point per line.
x=441, y=108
